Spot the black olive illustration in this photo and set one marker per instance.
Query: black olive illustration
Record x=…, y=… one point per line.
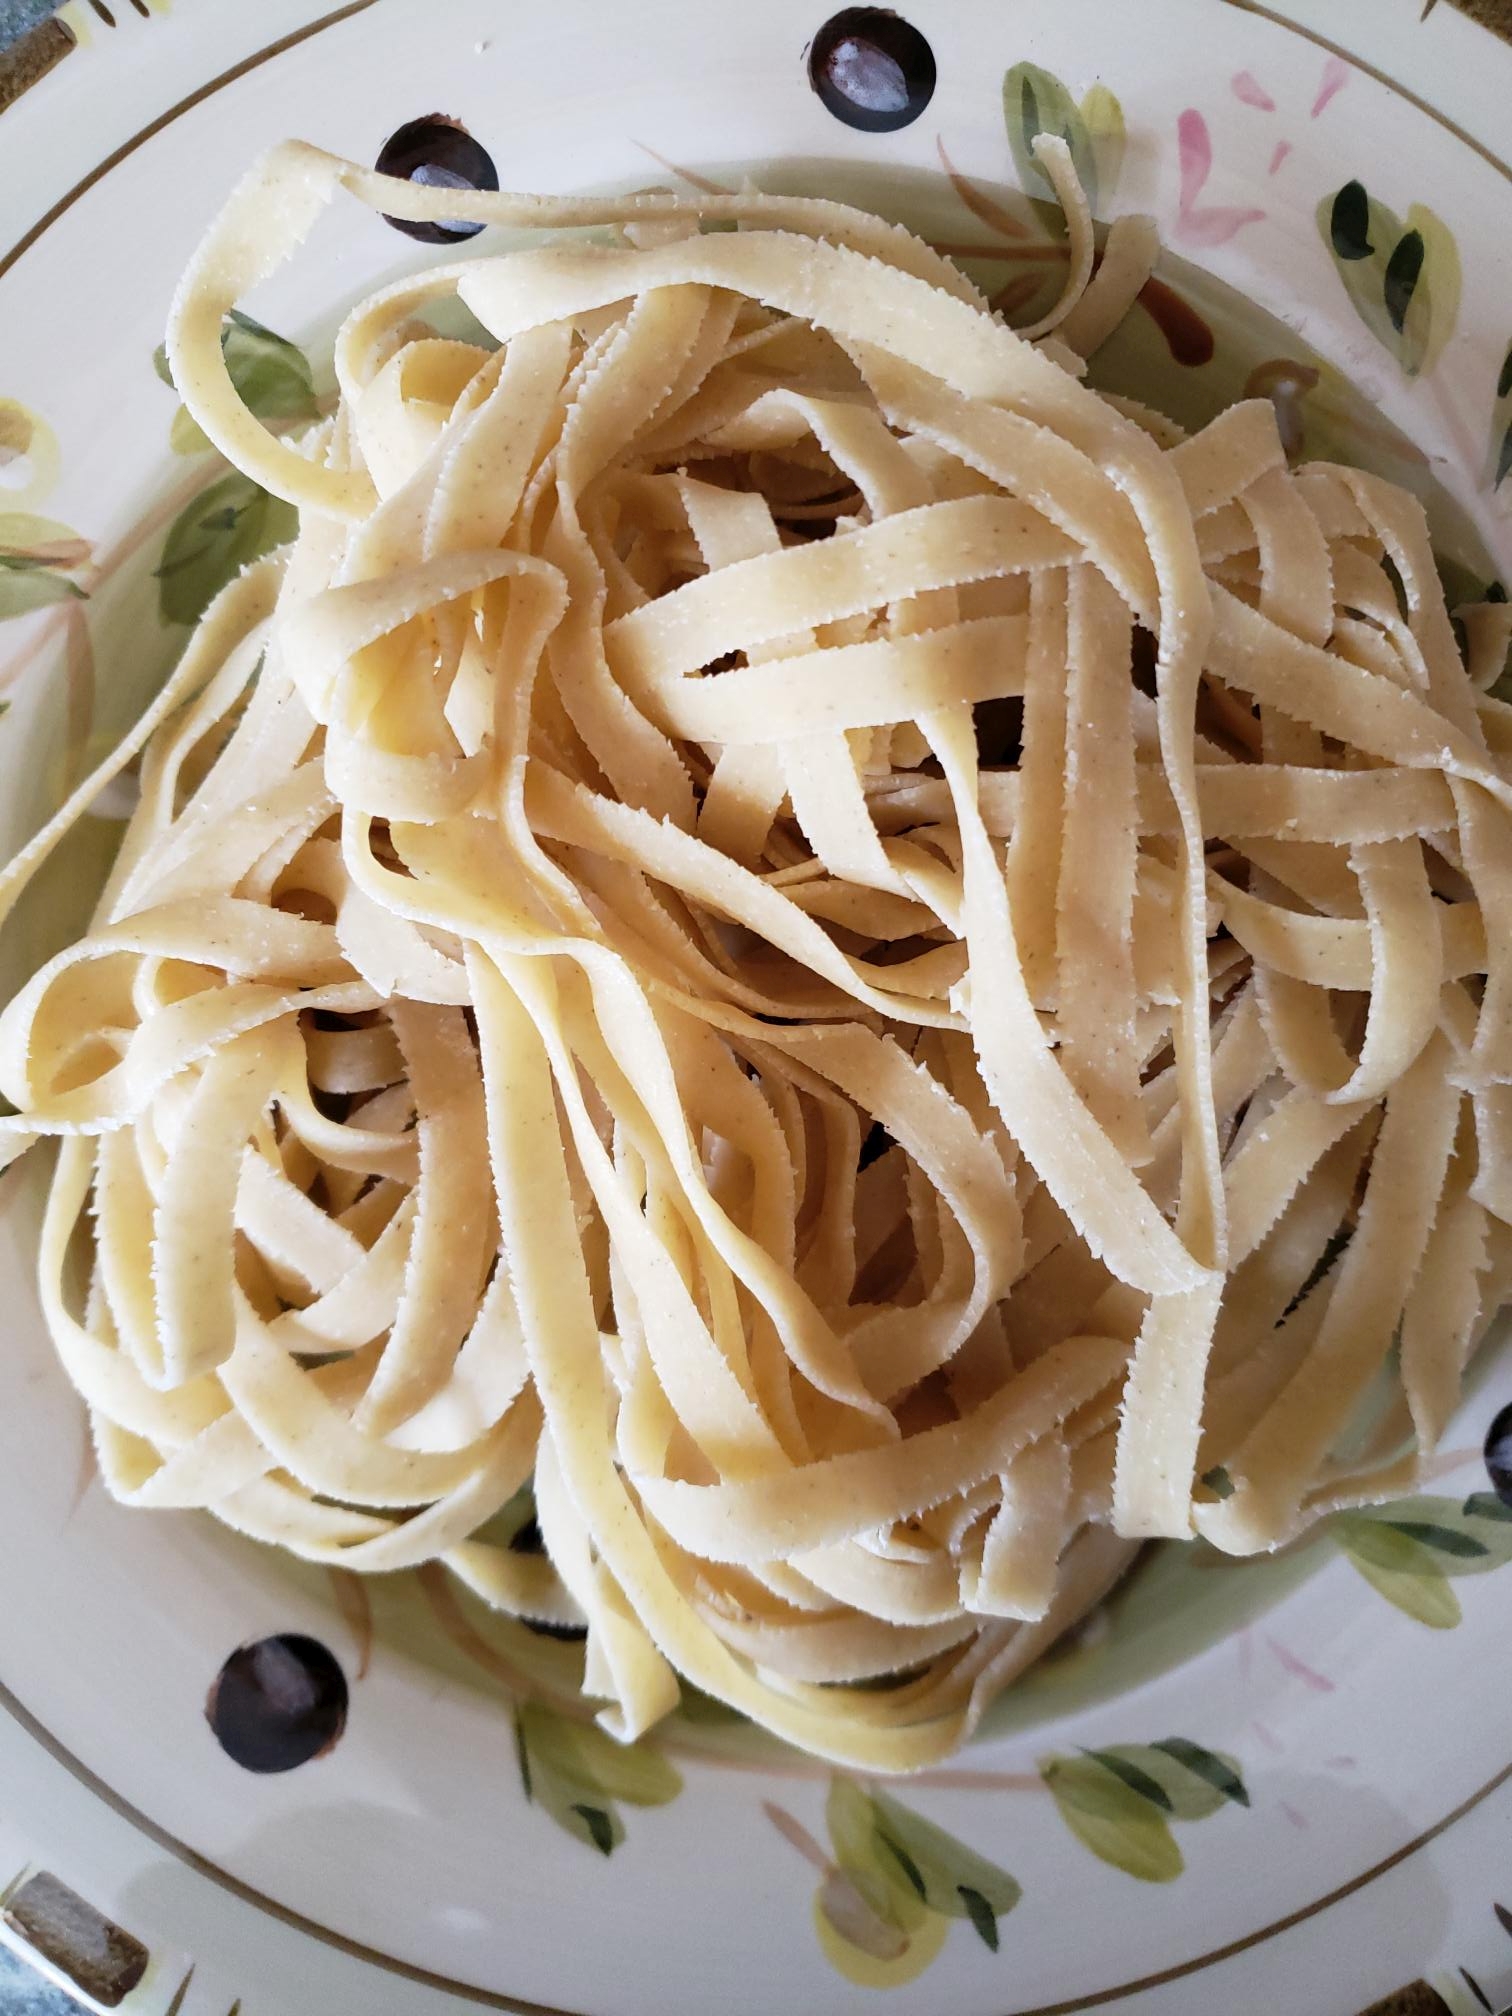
x=437, y=153
x=1499, y=1455
x=278, y=1703
x=872, y=69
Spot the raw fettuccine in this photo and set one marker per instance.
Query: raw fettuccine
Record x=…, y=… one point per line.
x=882, y=974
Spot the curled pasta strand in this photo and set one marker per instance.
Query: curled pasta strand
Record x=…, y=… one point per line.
x=786, y=927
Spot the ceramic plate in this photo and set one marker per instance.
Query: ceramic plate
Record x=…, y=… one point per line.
x=1282, y=1784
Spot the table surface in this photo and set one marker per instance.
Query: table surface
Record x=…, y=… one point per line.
x=17, y=15
x=21, y=1992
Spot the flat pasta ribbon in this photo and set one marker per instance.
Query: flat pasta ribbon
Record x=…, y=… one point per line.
x=878, y=972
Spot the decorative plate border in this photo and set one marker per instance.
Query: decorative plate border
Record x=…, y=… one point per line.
x=401, y=1969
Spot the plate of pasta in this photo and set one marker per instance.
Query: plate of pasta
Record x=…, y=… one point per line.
x=755, y=1011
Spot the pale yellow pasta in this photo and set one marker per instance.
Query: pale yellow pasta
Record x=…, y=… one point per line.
x=789, y=926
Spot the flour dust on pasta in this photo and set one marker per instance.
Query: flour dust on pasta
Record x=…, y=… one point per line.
x=785, y=922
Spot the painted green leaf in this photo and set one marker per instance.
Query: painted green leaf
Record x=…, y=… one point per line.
x=1177, y=1777
x=1442, y=1539
x=859, y=1918
x=1461, y=1539
x=939, y=1867
x=851, y=1819
x=26, y=536
x=1486, y=1505
x=185, y=434
x=1361, y=239
x=876, y=1876
x=597, y=1827
x=582, y=1754
x=595, y=1822
x=1380, y=1542
x=601, y=1827
x=1119, y=1825
x=1402, y=275
x=898, y=1872
x=980, y=1912
x=272, y=374
x=1434, y=309
x=1402, y=1569
x=25, y=586
x=905, y=1862
x=1104, y=120
x=1125, y=1763
x=214, y=537
x=1036, y=102
x=1220, y=1771
x=1427, y=1599
x=37, y=556
x=272, y=377
x=576, y=1773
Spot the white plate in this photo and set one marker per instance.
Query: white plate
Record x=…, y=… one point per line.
x=1356, y=1849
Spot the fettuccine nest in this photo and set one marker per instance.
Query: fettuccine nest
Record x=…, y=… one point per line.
x=787, y=922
